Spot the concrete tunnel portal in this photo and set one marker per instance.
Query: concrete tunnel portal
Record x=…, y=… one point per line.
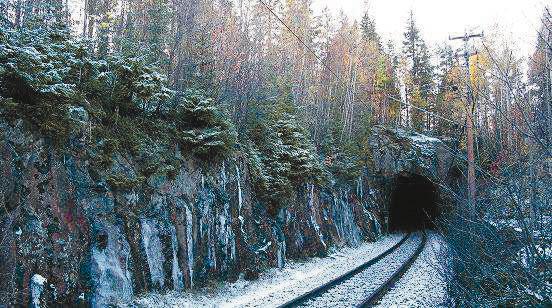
x=414, y=203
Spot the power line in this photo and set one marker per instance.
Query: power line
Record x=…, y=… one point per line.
x=456, y=153
x=469, y=122
x=337, y=76
x=424, y=110
x=299, y=39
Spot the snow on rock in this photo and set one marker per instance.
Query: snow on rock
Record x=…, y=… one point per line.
x=110, y=270
x=396, y=151
x=152, y=245
x=36, y=288
x=342, y=213
x=422, y=285
x=274, y=287
x=198, y=226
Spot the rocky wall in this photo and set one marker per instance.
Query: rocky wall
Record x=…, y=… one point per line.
x=69, y=237
x=397, y=152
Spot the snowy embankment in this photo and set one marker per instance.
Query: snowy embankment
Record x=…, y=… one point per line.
x=423, y=285
x=274, y=287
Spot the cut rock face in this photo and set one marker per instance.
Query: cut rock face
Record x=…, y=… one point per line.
x=113, y=237
x=408, y=168
x=396, y=151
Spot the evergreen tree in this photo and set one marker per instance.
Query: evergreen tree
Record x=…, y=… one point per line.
x=280, y=154
x=416, y=51
x=421, y=84
x=447, y=89
x=368, y=26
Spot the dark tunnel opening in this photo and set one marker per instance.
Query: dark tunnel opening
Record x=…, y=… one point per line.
x=414, y=203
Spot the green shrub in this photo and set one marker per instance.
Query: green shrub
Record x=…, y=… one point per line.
x=124, y=183
x=280, y=158
x=35, y=73
x=52, y=82
x=202, y=127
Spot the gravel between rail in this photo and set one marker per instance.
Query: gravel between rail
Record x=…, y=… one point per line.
x=423, y=285
x=274, y=287
x=356, y=289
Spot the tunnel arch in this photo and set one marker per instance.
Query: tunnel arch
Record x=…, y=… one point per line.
x=414, y=203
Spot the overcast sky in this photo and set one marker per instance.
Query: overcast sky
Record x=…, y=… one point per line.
x=439, y=18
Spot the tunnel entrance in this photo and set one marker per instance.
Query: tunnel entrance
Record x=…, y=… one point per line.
x=414, y=203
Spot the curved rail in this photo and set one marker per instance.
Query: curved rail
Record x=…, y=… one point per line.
x=298, y=301
x=384, y=288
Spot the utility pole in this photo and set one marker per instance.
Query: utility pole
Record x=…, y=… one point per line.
x=469, y=119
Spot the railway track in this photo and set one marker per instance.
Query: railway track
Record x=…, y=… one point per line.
x=365, y=285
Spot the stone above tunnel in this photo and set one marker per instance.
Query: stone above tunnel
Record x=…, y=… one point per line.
x=396, y=151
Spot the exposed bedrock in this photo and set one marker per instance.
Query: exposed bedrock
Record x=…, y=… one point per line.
x=71, y=234
x=94, y=239
x=410, y=170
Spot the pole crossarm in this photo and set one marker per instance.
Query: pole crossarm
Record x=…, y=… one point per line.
x=466, y=36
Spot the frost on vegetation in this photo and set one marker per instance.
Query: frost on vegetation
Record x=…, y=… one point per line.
x=543, y=252
x=280, y=156
x=52, y=81
x=203, y=128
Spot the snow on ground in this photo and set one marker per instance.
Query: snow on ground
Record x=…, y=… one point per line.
x=274, y=287
x=358, y=288
x=423, y=284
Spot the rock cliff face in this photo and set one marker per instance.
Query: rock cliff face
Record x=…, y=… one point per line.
x=92, y=239
x=396, y=153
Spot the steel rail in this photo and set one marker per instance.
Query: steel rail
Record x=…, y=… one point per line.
x=298, y=301
x=378, y=294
